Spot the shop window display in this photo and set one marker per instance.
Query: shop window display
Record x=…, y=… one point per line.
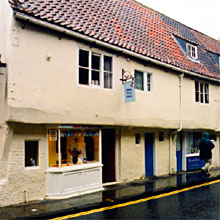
x=76, y=147
x=193, y=142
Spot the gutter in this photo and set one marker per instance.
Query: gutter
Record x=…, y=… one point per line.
x=172, y=169
x=107, y=45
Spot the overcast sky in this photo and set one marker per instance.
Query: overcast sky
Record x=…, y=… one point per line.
x=201, y=15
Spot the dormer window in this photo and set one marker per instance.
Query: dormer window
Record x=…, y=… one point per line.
x=191, y=51
x=215, y=57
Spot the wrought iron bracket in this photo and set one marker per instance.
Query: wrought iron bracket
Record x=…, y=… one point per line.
x=126, y=76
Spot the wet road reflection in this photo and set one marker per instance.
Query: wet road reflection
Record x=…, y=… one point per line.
x=200, y=203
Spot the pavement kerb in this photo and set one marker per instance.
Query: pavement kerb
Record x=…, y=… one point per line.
x=120, y=200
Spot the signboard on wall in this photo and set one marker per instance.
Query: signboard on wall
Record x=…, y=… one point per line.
x=129, y=91
x=194, y=163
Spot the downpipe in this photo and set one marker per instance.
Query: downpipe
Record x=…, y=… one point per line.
x=172, y=170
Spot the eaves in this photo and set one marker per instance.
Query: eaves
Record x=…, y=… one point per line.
x=107, y=45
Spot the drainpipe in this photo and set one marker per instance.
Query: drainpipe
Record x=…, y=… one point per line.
x=172, y=170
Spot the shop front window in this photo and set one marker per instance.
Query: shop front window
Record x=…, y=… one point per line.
x=193, y=142
x=74, y=147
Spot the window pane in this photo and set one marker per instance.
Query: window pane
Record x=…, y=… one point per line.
x=107, y=80
x=138, y=80
x=31, y=153
x=206, y=93
x=192, y=142
x=53, y=148
x=78, y=147
x=201, y=93
x=108, y=63
x=95, y=77
x=197, y=96
x=206, y=98
x=188, y=50
x=196, y=86
x=206, y=88
x=193, y=52
x=83, y=76
x=197, y=91
x=148, y=82
x=96, y=62
x=201, y=98
x=83, y=58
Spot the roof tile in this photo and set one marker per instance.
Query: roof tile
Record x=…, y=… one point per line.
x=129, y=25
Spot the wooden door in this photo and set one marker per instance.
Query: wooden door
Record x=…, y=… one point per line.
x=108, y=155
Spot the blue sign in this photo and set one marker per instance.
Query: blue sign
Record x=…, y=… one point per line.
x=194, y=163
x=129, y=91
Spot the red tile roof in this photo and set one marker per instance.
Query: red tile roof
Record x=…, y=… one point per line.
x=127, y=24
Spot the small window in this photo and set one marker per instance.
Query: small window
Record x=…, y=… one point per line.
x=137, y=138
x=201, y=92
x=192, y=51
x=161, y=136
x=31, y=153
x=139, y=80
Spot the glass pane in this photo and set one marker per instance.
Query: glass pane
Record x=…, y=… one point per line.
x=195, y=145
x=138, y=82
x=206, y=93
x=193, y=52
x=148, y=78
x=197, y=96
x=206, y=98
x=206, y=88
x=196, y=86
x=78, y=147
x=96, y=62
x=95, y=77
x=201, y=88
x=148, y=82
x=31, y=153
x=53, y=148
x=201, y=98
x=188, y=50
x=83, y=58
x=201, y=93
x=108, y=63
x=107, y=80
x=83, y=76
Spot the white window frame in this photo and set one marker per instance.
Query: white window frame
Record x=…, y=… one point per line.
x=190, y=52
x=202, y=93
x=145, y=82
x=102, y=71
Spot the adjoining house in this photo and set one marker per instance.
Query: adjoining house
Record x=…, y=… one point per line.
x=100, y=91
